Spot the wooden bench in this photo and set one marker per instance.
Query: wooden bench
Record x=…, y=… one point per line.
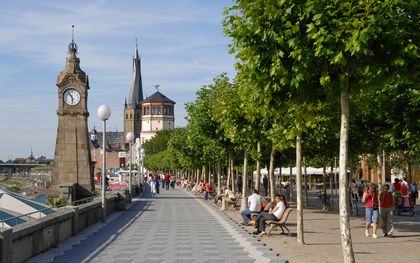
x=235, y=202
x=279, y=223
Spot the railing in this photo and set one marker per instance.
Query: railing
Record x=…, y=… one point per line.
x=83, y=201
x=29, y=216
x=38, y=214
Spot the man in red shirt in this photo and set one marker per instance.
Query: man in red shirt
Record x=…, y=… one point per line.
x=386, y=201
x=166, y=179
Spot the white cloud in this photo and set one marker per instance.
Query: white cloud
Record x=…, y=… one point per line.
x=181, y=44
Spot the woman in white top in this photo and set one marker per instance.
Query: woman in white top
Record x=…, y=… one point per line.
x=275, y=214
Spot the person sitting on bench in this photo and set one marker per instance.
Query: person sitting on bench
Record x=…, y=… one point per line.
x=254, y=206
x=275, y=214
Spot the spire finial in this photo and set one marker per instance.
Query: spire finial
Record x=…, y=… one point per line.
x=137, y=44
x=156, y=87
x=72, y=45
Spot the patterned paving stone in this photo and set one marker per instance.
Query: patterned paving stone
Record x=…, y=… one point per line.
x=174, y=227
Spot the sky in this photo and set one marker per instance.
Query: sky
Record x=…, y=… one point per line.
x=181, y=44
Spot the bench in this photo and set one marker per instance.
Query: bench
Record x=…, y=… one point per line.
x=279, y=223
x=235, y=202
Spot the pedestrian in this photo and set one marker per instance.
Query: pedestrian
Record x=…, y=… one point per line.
x=157, y=183
x=370, y=197
x=354, y=190
x=265, y=185
x=388, y=182
x=386, y=202
x=152, y=183
x=167, y=178
x=254, y=206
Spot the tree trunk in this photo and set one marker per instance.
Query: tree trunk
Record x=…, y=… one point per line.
x=258, y=167
x=197, y=176
x=204, y=173
x=299, y=199
x=229, y=172
x=346, y=241
x=305, y=182
x=244, y=182
x=379, y=164
x=324, y=179
x=233, y=177
x=219, y=184
x=271, y=173
x=290, y=184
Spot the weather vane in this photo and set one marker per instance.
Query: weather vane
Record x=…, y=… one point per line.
x=156, y=87
x=72, y=33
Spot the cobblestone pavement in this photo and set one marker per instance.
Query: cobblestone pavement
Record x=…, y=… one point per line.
x=175, y=226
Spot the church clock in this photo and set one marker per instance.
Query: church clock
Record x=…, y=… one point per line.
x=73, y=171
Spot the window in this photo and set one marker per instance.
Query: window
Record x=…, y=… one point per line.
x=156, y=110
x=166, y=110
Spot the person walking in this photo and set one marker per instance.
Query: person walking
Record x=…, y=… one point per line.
x=254, y=206
x=354, y=190
x=386, y=202
x=370, y=197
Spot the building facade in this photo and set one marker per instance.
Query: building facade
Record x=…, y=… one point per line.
x=143, y=117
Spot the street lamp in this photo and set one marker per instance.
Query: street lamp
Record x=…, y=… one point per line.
x=103, y=112
x=142, y=163
x=130, y=138
x=138, y=148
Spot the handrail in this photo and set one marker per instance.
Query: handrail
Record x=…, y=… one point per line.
x=82, y=201
x=27, y=215
x=55, y=208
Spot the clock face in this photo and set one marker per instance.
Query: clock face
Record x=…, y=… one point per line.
x=71, y=97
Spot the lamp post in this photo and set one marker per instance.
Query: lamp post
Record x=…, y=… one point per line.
x=130, y=139
x=142, y=163
x=138, y=148
x=103, y=112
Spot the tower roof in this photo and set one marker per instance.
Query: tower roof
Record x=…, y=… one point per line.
x=72, y=64
x=158, y=97
x=136, y=89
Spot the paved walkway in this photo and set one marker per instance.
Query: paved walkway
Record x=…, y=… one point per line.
x=173, y=227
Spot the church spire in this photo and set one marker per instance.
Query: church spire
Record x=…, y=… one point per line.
x=136, y=89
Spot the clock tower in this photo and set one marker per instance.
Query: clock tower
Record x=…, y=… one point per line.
x=73, y=171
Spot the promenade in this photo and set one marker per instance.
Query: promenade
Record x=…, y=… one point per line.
x=323, y=244
x=173, y=227
x=177, y=226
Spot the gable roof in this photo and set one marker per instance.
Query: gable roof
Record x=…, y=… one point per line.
x=158, y=97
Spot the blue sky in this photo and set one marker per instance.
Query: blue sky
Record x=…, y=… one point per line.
x=181, y=45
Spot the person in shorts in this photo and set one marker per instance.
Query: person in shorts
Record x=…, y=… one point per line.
x=370, y=197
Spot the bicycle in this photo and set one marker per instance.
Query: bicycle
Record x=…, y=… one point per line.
x=323, y=201
x=354, y=211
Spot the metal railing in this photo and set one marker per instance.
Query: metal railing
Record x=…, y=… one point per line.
x=83, y=201
x=38, y=214
x=29, y=216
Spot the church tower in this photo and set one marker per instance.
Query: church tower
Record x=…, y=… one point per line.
x=72, y=159
x=132, y=112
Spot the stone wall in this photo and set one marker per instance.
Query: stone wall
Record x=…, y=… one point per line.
x=24, y=241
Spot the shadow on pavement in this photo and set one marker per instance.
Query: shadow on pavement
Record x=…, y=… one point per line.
x=105, y=236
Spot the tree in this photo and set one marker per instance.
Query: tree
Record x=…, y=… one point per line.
x=358, y=44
